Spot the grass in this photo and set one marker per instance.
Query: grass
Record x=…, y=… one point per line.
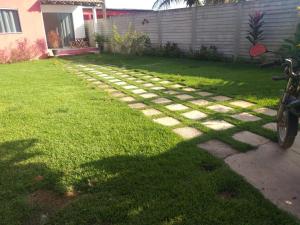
x=61, y=137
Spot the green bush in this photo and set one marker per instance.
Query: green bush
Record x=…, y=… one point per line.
x=208, y=53
x=101, y=40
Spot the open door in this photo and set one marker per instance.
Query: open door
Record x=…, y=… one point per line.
x=62, y=24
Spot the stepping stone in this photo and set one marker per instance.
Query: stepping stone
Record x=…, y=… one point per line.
x=139, y=81
x=137, y=105
x=138, y=91
x=200, y=102
x=184, y=97
x=221, y=98
x=148, y=85
x=171, y=92
x=131, y=78
x=218, y=125
x=194, y=115
x=127, y=99
x=165, y=82
x=157, y=88
x=97, y=82
x=177, y=86
x=121, y=83
x=111, y=90
x=188, y=89
x=148, y=95
x=204, y=93
x=167, y=121
x=242, y=104
x=247, y=117
x=118, y=94
x=266, y=111
x=155, y=79
x=124, y=76
x=271, y=126
x=103, y=86
x=91, y=79
x=115, y=80
x=161, y=101
x=147, y=77
x=218, y=149
x=129, y=87
x=250, y=138
x=151, y=112
x=220, y=108
x=176, y=107
x=187, y=132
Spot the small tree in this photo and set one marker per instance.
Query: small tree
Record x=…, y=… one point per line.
x=256, y=33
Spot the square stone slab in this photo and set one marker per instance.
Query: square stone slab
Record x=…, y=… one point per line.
x=266, y=111
x=167, y=121
x=129, y=87
x=189, y=89
x=148, y=85
x=121, y=83
x=200, y=102
x=161, y=101
x=176, y=107
x=271, y=126
x=151, y=112
x=118, y=94
x=155, y=79
x=137, y=105
x=165, y=82
x=138, y=91
x=247, y=117
x=115, y=80
x=250, y=138
x=242, y=104
x=218, y=149
x=221, y=98
x=131, y=78
x=147, y=77
x=97, y=82
x=218, y=125
x=220, y=108
x=127, y=99
x=177, y=86
x=157, y=88
x=184, y=97
x=204, y=93
x=171, y=92
x=187, y=132
x=148, y=95
x=139, y=81
x=194, y=115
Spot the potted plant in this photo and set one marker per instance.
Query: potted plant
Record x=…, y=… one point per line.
x=54, y=41
x=101, y=40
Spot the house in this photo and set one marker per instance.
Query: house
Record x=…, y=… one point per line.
x=88, y=13
x=38, y=23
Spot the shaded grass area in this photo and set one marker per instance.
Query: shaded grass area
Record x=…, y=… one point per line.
x=61, y=135
x=240, y=80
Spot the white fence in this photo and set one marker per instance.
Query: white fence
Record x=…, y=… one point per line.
x=224, y=26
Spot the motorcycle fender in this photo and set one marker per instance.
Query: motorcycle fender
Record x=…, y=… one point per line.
x=294, y=107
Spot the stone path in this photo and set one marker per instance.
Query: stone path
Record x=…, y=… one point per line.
x=194, y=113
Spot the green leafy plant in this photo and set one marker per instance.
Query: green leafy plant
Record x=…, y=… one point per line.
x=291, y=47
x=256, y=33
x=208, y=53
x=101, y=40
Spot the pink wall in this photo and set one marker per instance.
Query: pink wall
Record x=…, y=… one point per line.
x=31, y=22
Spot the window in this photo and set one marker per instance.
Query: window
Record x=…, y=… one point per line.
x=9, y=21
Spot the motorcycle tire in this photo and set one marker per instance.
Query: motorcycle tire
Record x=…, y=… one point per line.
x=287, y=132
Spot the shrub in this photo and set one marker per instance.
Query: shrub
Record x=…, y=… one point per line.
x=255, y=34
x=291, y=48
x=171, y=49
x=132, y=42
x=101, y=40
x=208, y=53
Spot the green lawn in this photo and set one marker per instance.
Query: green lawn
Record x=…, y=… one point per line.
x=61, y=136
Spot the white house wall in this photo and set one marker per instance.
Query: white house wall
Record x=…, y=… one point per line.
x=77, y=14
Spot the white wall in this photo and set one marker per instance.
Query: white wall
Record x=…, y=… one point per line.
x=77, y=14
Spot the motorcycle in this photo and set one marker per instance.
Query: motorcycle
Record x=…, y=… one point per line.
x=289, y=106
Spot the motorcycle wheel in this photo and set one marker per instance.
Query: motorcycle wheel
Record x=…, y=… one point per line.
x=287, y=129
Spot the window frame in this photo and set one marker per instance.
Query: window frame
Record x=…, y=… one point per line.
x=19, y=20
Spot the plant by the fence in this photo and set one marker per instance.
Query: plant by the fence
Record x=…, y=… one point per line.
x=256, y=22
x=208, y=53
x=132, y=42
x=101, y=40
x=291, y=48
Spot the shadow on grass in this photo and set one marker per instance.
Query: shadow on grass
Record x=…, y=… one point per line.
x=236, y=79
x=181, y=186
x=19, y=177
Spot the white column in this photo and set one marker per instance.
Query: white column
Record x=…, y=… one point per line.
x=95, y=21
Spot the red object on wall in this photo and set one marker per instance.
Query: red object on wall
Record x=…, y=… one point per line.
x=88, y=13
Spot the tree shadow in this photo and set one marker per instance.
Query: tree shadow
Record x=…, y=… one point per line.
x=21, y=175
x=181, y=186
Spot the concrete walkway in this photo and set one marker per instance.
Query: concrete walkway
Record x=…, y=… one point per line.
x=275, y=172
